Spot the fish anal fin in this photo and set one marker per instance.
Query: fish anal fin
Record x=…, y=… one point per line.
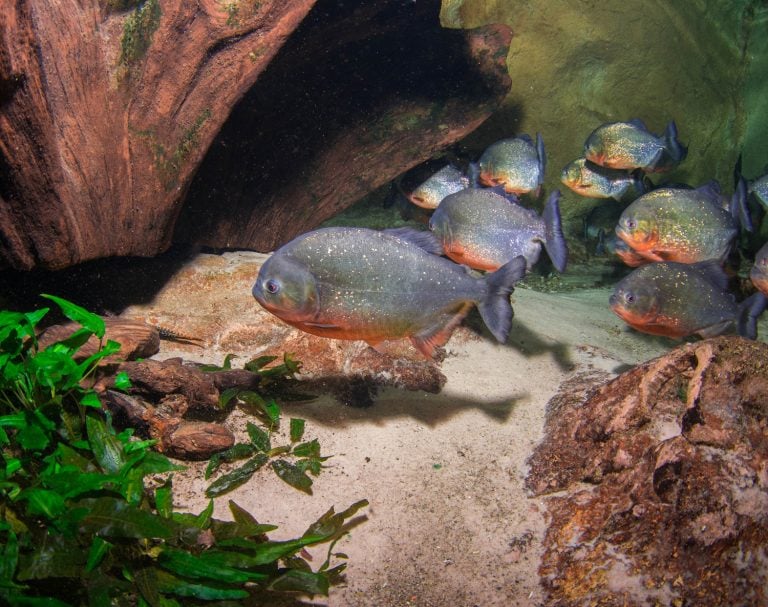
x=437, y=335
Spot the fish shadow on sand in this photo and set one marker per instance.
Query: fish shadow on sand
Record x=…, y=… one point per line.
x=526, y=341
x=390, y=404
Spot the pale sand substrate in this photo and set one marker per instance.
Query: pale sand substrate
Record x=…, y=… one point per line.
x=449, y=521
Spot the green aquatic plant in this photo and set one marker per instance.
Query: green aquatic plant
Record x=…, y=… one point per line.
x=290, y=462
x=80, y=523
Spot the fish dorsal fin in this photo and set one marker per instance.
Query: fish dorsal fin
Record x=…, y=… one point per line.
x=713, y=272
x=638, y=123
x=421, y=238
x=738, y=206
x=426, y=340
x=527, y=138
x=711, y=190
x=499, y=189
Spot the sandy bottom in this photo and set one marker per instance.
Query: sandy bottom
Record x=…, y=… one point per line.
x=449, y=522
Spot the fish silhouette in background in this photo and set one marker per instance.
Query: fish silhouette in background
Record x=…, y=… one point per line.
x=593, y=181
x=630, y=145
x=516, y=164
x=484, y=230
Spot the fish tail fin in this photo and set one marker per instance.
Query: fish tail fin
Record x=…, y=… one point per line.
x=677, y=150
x=640, y=182
x=473, y=174
x=557, y=248
x=738, y=206
x=542, y=154
x=495, y=308
x=600, y=247
x=749, y=310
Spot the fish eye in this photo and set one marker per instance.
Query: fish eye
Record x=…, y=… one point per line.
x=631, y=224
x=629, y=298
x=272, y=286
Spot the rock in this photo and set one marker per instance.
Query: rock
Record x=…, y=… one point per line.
x=660, y=482
x=137, y=339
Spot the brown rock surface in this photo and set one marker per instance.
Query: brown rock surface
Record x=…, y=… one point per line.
x=661, y=481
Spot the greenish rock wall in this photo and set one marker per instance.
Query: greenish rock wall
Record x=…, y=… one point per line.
x=575, y=64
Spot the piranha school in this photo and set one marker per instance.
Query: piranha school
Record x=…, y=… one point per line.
x=383, y=303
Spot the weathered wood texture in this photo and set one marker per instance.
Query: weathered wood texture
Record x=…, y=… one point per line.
x=108, y=107
x=106, y=113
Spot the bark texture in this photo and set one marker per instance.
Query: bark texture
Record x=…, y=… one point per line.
x=108, y=107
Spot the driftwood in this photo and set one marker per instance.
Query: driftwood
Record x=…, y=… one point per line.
x=107, y=108
x=137, y=339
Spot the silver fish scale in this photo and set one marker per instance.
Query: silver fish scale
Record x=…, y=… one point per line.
x=489, y=224
x=364, y=273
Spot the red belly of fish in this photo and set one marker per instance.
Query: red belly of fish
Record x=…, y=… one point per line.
x=460, y=255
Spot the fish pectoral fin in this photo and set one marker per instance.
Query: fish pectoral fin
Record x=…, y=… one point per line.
x=716, y=329
x=426, y=340
x=321, y=325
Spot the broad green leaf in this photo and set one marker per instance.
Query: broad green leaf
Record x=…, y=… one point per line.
x=234, y=453
x=71, y=482
x=237, y=477
x=293, y=475
x=255, y=365
x=206, y=592
x=164, y=498
x=297, y=429
x=111, y=347
x=9, y=560
x=106, y=447
x=332, y=522
x=259, y=438
x=199, y=567
x=145, y=579
x=226, y=397
x=90, y=399
x=295, y=580
x=269, y=407
x=99, y=549
x=122, y=381
x=74, y=342
x=32, y=437
x=110, y=517
x=203, y=520
x=308, y=449
x=55, y=556
x=83, y=317
x=157, y=463
x=41, y=502
x=56, y=370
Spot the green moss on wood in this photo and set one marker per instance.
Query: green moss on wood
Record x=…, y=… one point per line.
x=169, y=162
x=137, y=31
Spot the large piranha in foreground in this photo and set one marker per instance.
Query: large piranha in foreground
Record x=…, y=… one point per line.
x=357, y=283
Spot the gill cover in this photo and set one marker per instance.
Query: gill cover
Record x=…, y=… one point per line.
x=287, y=288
